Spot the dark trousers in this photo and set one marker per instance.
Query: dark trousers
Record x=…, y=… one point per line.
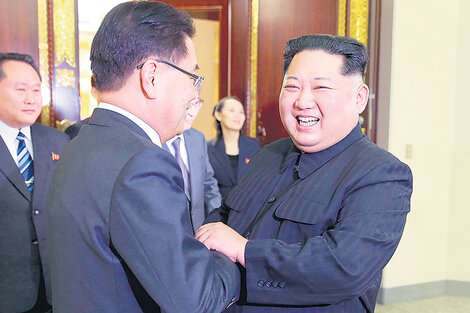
x=41, y=306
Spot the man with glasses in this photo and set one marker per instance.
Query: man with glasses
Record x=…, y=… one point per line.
x=190, y=151
x=121, y=238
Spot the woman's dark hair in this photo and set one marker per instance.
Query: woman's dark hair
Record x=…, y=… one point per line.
x=218, y=107
x=132, y=32
x=353, y=52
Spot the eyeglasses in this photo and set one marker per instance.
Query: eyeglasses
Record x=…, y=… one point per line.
x=197, y=79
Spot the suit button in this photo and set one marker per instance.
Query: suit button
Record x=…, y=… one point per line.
x=35, y=242
x=261, y=283
x=268, y=284
x=192, y=212
x=282, y=284
x=35, y=212
x=275, y=284
x=272, y=199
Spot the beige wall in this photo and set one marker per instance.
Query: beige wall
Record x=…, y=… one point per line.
x=429, y=109
x=459, y=230
x=207, y=45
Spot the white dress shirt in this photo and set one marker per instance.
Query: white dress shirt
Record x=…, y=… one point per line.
x=152, y=133
x=9, y=134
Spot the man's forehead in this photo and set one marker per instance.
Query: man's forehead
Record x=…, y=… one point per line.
x=19, y=70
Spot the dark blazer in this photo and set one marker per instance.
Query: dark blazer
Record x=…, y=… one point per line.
x=72, y=130
x=121, y=237
x=23, y=222
x=324, y=242
x=220, y=163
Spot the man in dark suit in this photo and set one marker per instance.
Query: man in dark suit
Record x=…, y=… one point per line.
x=202, y=190
x=29, y=152
x=121, y=237
x=319, y=214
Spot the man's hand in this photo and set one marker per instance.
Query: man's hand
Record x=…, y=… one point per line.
x=220, y=237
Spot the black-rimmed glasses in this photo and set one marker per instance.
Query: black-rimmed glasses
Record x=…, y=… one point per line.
x=197, y=79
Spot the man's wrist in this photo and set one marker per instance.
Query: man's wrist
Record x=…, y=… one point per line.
x=241, y=256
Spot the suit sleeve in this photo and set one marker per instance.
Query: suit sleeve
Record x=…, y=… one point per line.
x=212, y=197
x=345, y=260
x=149, y=228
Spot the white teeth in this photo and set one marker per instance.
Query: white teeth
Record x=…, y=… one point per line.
x=307, y=121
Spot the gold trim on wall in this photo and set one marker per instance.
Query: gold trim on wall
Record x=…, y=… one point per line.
x=43, y=47
x=254, y=65
x=342, y=17
x=359, y=20
x=65, y=78
x=64, y=32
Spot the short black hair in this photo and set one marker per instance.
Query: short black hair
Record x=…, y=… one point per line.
x=218, y=108
x=25, y=58
x=133, y=31
x=353, y=52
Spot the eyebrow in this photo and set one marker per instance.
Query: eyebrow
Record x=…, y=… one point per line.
x=315, y=78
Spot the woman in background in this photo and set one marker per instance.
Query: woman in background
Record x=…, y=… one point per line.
x=230, y=152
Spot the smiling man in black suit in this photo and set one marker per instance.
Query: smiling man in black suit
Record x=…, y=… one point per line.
x=318, y=215
x=28, y=155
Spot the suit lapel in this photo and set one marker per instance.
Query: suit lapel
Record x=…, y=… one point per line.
x=11, y=172
x=42, y=158
x=242, y=155
x=222, y=158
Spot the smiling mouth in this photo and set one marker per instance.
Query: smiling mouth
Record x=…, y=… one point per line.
x=307, y=121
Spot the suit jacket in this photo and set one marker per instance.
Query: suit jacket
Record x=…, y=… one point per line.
x=220, y=163
x=205, y=195
x=325, y=239
x=121, y=237
x=23, y=252
x=72, y=130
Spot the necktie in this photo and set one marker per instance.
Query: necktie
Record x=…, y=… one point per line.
x=184, y=170
x=25, y=162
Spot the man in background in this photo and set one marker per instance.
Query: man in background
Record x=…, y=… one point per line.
x=121, y=236
x=190, y=151
x=28, y=154
x=319, y=214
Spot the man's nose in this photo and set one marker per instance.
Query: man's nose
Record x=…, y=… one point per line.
x=29, y=97
x=306, y=99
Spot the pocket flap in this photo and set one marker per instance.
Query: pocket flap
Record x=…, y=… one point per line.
x=301, y=210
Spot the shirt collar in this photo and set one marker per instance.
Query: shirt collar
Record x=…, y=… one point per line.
x=152, y=133
x=310, y=162
x=9, y=133
x=169, y=142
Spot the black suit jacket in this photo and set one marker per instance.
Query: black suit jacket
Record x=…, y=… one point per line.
x=323, y=243
x=72, y=130
x=121, y=237
x=23, y=221
x=220, y=163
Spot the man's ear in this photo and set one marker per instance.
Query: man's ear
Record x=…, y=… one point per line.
x=362, y=96
x=148, y=78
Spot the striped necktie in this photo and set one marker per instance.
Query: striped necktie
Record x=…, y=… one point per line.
x=25, y=162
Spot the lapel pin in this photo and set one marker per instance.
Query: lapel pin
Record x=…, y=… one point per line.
x=247, y=161
x=55, y=156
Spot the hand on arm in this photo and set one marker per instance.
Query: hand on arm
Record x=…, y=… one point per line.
x=220, y=237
